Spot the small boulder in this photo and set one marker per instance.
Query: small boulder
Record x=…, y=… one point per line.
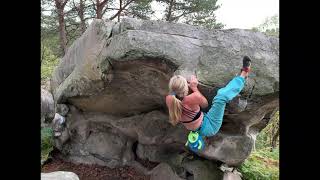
x=59, y=175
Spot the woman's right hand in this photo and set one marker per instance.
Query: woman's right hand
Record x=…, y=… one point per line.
x=193, y=83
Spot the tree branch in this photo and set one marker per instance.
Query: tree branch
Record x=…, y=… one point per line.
x=165, y=1
x=120, y=2
x=72, y=24
x=141, y=16
x=74, y=5
x=104, y=11
x=184, y=13
x=114, y=16
x=89, y=17
x=94, y=5
x=43, y=50
x=70, y=11
x=64, y=3
x=114, y=9
x=47, y=10
x=169, y=11
x=103, y=2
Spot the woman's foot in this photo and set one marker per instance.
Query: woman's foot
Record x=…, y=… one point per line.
x=246, y=66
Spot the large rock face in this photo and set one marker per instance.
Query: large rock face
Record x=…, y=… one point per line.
x=114, y=80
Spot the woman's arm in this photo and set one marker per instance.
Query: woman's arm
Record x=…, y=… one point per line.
x=202, y=100
x=196, y=96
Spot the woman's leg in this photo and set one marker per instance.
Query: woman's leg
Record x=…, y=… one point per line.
x=213, y=119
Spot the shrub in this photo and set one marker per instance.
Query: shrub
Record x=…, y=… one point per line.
x=48, y=62
x=46, y=143
x=261, y=165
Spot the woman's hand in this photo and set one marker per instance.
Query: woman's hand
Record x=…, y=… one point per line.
x=193, y=83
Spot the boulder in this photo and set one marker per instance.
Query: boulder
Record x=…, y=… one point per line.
x=164, y=171
x=61, y=175
x=47, y=107
x=231, y=176
x=114, y=80
x=202, y=169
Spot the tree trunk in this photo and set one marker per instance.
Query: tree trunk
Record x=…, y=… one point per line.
x=275, y=139
x=169, y=11
x=99, y=8
x=80, y=11
x=99, y=12
x=62, y=32
x=42, y=52
x=81, y=16
x=120, y=9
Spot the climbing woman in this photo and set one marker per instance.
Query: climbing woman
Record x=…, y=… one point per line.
x=185, y=108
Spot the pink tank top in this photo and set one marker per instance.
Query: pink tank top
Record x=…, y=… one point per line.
x=191, y=119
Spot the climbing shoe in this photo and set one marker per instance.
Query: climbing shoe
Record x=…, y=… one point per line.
x=246, y=64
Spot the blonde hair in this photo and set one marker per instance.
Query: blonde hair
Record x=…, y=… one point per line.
x=178, y=86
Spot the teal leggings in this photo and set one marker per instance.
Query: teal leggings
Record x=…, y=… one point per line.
x=212, y=120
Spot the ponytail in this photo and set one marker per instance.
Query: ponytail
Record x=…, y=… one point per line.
x=178, y=87
x=175, y=111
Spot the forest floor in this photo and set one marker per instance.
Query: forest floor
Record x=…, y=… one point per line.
x=96, y=172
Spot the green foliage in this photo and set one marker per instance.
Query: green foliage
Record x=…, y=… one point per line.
x=199, y=13
x=272, y=32
x=49, y=27
x=46, y=143
x=270, y=23
x=48, y=62
x=200, y=19
x=50, y=34
x=270, y=26
x=268, y=136
x=141, y=9
x=72, y=29
x=263, y=163
x=204, y=14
